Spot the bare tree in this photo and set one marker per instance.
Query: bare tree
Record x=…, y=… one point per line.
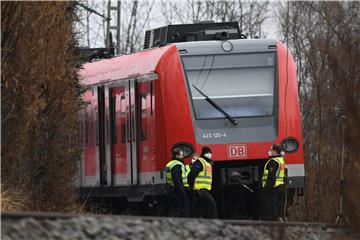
x=169, y=11
x=90, y=27
x=325, y=39
x=137, y=15
x=251, y=15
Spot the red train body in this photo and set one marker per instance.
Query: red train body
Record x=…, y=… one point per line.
x=140, y=105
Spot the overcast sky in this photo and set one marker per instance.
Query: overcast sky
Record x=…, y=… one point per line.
x=97, y=30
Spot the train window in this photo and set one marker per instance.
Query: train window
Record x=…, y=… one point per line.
x=143, y=115
x=123, y=105
x=113, y=123
x=97, y=127
x=143, y=102
x=87, y=127
x=241, y=84
x=123, y=117
x=151, y=97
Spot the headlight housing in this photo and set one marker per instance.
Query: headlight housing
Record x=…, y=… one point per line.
x=290, y=145
x=187, y=148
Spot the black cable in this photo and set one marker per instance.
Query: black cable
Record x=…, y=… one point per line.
x=202, y=68
x=212, y=64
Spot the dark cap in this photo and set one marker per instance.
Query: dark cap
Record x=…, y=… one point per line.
x=277, y=148
x=205, y=150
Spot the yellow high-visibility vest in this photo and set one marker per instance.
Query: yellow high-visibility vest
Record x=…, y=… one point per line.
x=280, y=173
x=204, y=179
x=187, y=168
x=184, y=172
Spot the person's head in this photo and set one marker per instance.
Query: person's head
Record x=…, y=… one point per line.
x=206, y=152
x=275, y=150
x=178, y=154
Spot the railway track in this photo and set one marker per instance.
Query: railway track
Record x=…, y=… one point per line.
x=31, y=225
x=50, y=215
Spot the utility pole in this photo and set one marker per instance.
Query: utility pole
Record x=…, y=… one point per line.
x=109, y=27
x=342, y=118
x=109, y=51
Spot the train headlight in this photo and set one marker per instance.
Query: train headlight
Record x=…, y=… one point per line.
x=187, y=148
x=290, y=145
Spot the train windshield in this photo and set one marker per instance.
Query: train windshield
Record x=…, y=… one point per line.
x=241, y=84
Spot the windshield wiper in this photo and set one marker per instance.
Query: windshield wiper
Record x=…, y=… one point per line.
x=217, y=107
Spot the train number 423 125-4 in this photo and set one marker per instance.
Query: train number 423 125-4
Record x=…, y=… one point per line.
x=214, y=135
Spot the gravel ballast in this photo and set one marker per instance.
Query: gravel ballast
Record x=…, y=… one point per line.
x=123, y=227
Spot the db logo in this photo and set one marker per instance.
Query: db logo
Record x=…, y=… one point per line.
x=237, y=151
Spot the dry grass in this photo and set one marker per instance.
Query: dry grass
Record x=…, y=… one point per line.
x=16, y=201
x=12, y=201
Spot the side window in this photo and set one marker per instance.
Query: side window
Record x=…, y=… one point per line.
x=113, y=121
x=87, y=124
x=87, y=127
x=152, y=98
x=88, y=120
x=123, y=117
x=97, y=126
x=143, y=115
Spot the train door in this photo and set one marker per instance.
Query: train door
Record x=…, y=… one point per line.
x=124, y=133
x=118, y=105
x=146, y=127
x=102, y=140
x=88, y=164
x=132, y=145
x=100, y=145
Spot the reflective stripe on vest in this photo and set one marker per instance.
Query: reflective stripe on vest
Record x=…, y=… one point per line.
x=187, y=171
x=280, y=173
x=184, y=172
x=204, y=179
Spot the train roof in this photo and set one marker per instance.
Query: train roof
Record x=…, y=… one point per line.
x=238, y=46
x=122, y=67
x=126, y=66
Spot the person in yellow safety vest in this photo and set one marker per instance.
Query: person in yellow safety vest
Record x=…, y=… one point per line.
x=272, y=184
x=202, y=204
x=176, y=176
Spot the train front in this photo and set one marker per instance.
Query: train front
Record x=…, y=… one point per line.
x=243, y=98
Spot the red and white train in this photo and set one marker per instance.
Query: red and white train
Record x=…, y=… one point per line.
x=139, y=106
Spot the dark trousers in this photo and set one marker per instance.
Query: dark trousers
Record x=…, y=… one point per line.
x=178, y=204
x=202, y=204
x=271, y=204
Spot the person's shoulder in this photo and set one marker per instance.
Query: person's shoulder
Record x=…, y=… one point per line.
x=273, y=162
x=176, y=167
x=277, y=159
x=197, y=164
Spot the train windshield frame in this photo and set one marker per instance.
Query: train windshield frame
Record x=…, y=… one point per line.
x=243, y=84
